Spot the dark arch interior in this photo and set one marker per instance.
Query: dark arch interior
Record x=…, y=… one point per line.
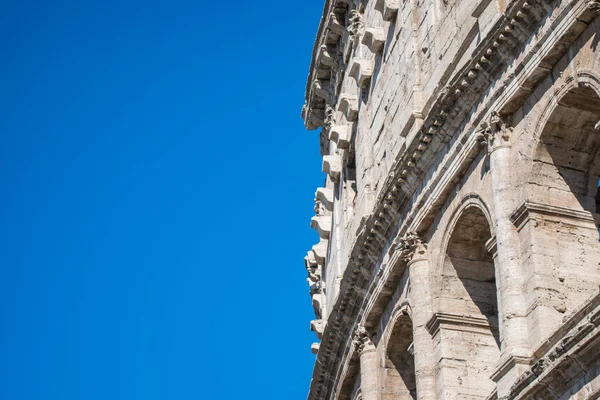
x=569, y=149
x=470, y=272
x=399, y=379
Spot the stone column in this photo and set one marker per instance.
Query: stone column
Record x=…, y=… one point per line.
x=368, y=364
x=510, y=277
x=421, y=306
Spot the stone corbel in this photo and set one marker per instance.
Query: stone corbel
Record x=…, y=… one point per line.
x=310, y=261
x=320, y=251
x=318, y=303
x=313, y=118
x=334, y=25
x=317, y=326
x=349, y=106
x=325, y=57
x=339, y=134
x=374, y=39
x=322, y=90
x=362, y=71
x=322, y=225
x=325, y=196
x=315, y=348
x=332, y=166
x=388, y=8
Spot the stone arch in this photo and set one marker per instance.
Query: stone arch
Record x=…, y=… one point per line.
x=357, y=395
x=398, y=379
x=467, y=322
x=469, y=200
x=559, y=220
x=567, y=151
x=469, y=275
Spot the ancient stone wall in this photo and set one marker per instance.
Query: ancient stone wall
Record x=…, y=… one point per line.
x=458, y=253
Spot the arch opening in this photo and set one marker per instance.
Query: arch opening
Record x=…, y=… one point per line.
x=469, y=295
x=568, y=162
x=399, y=382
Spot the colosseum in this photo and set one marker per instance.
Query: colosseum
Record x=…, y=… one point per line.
x=458, y=252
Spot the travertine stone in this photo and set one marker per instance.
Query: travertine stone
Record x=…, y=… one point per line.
x=374, y=39
x=325, y=196
x=459, y=253
x=339, y=134
x=349, y=106
x=319, y=251
x=332, y=166
x=368, y=364
x=361, y=70
x=388, y=8
x=322, y=225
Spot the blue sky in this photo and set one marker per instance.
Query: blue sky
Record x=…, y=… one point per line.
x=157, y=186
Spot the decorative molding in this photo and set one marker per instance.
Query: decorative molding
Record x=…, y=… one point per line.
x=412, y=247
x=577, y=339
x=529, y=210
x=355, y=25
x=362, y=340
x=492, y=246
x=476, y=324
x=507, y=364
x=593, y=4
x=496, y=132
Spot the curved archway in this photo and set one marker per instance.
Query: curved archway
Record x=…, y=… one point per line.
x=563, y=196
x=567, y=156
x=399, y=381
x=468, y=302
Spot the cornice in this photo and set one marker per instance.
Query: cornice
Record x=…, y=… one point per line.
x=529, y=210
x=575, y=344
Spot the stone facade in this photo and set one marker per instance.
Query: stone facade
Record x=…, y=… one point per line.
x=458, y=254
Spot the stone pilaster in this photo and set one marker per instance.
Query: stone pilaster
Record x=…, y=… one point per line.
x=415, y=254
x=510, y=279
x=368, y=364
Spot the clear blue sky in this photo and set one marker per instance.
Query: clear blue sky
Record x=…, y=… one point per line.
x=156, y=191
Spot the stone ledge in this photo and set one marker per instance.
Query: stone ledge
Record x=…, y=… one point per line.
x=528, y=211
x=457, y=322
x=574, y=347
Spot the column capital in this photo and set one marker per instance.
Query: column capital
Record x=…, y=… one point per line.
x=495, y=132
x=593, y=4
x=362, y=340
x=412, y=247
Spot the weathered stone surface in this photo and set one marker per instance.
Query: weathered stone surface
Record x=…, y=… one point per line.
x=460, y=255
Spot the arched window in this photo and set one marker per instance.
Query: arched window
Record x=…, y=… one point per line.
x=399, y=371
